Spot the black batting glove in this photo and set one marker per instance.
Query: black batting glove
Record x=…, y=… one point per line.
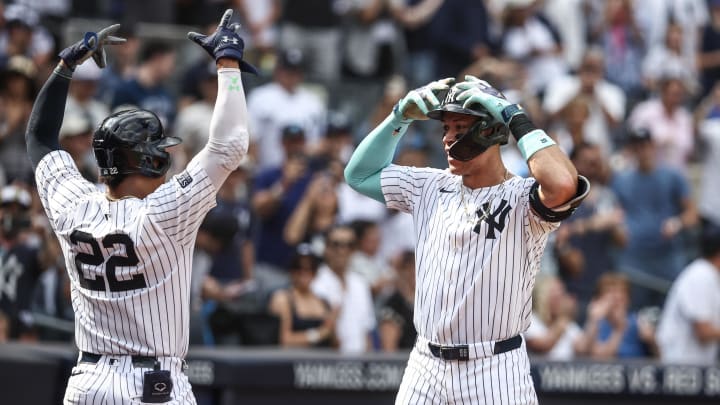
x=225, y=42
x=92, y=45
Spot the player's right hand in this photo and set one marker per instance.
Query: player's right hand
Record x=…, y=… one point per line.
x=225, y=42
x=92, y=45
x=417, y=103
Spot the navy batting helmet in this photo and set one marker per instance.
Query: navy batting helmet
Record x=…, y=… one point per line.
x=484, y=133
x=132, y=141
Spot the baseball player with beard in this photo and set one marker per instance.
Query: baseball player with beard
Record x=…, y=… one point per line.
x=480, y=233
x=129, y=250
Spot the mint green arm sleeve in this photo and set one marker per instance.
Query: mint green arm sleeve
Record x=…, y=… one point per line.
x=375, y=153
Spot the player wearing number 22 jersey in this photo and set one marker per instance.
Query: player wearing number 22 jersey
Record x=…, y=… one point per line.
x=129, y=250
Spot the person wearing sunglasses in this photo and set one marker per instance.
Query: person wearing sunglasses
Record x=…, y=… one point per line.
x=306, y=320
x=347, y=291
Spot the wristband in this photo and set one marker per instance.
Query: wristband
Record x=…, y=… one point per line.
x=533, y=142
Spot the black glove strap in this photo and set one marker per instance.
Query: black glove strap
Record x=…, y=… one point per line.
x=520, y=125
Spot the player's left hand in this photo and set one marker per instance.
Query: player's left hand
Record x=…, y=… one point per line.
x=476, y=91
x=225, y=42
x=92, y=45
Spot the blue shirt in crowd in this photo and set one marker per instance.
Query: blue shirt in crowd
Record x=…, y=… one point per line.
x=630, y=345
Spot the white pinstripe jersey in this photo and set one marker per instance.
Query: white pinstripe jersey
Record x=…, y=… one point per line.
x=129, y=260
x=474, y=276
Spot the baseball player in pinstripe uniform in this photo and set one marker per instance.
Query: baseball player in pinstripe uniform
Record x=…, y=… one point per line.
x=128, y=251
x=481, y=232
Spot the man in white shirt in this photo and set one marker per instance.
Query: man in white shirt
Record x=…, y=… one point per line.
x=689, y=331
x=607, y=101
x=347, y=290
x=280, y=103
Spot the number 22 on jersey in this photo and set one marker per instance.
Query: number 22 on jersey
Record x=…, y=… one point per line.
x=96, y=258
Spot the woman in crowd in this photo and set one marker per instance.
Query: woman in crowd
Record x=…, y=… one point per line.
x=397, y=330
x=305, y=319
x=620, y=333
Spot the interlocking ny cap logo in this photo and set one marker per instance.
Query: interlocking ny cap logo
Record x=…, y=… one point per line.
x=452, y=94
x=455, y=91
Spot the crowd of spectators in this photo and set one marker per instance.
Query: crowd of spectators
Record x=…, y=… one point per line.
x=293, y=257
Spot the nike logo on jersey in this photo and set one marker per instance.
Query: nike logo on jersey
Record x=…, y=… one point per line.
x=444, y=190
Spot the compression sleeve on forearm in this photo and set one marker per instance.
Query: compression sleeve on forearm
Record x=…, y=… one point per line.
x=375, y=153
x=228, y=140
x=46, y=117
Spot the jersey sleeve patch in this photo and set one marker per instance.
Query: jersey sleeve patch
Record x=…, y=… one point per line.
x=184, y=179
x=179, y=208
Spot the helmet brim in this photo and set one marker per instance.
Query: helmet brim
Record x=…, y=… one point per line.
x=168, y=141
x=437, y=113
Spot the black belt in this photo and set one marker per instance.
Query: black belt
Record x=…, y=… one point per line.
x=462, y=352
x=137, y=361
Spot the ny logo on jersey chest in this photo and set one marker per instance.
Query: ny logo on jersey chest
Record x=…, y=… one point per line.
x=495, y=219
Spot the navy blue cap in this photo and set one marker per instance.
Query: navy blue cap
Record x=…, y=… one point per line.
x=293, y=131
x=292, y=59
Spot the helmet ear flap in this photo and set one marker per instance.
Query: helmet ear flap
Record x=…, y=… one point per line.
x=152, y=163
x=105, y=161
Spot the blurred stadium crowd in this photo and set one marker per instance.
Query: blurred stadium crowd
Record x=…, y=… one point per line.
x=292, y=256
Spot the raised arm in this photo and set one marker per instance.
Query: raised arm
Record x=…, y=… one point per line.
x=47, y=114
x=376, y=151
x=559, y=188
x=46, y=117
x=228, y=140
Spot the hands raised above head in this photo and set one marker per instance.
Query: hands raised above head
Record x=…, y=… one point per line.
x=417, y=103
x=92, y=45
x=225, y=42
x=476, y=91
